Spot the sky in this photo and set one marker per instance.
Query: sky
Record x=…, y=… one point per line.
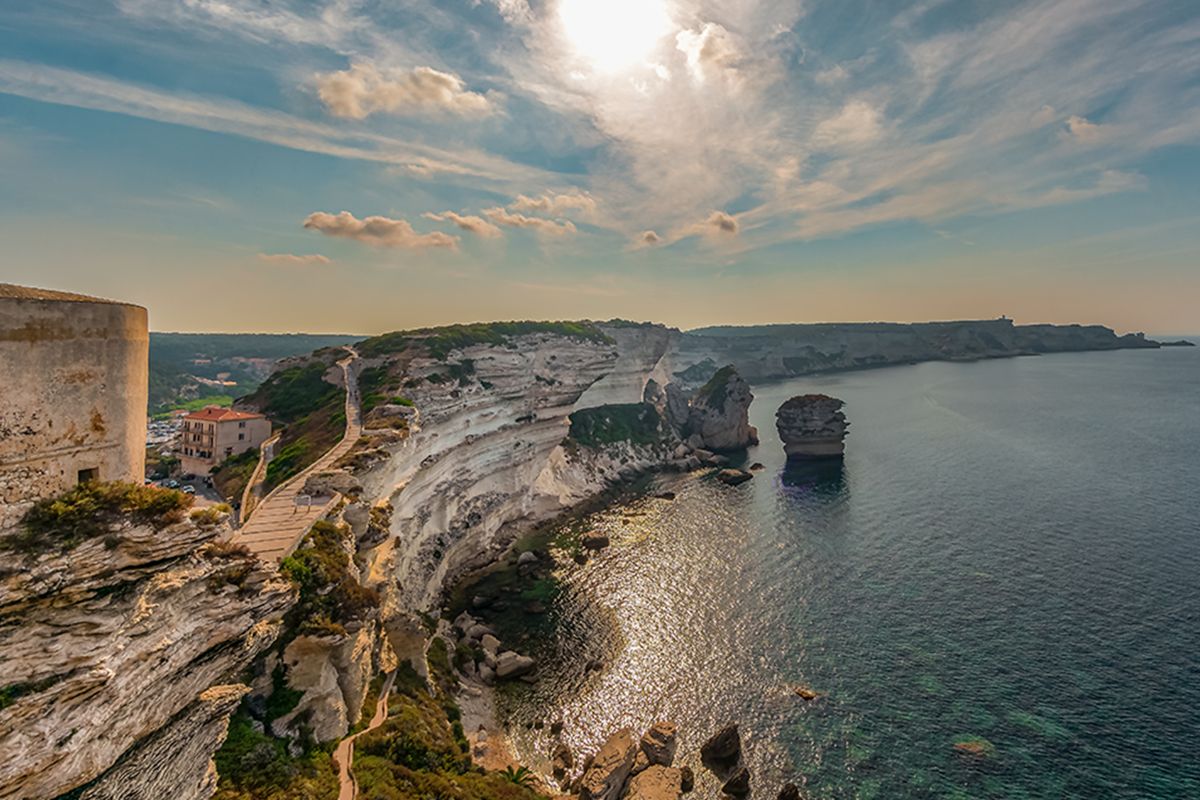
x=369, y=165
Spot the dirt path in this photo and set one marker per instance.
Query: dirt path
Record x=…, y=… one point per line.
x=343, y=756
x=282, y=518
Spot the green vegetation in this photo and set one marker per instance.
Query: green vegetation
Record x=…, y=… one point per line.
x=439, y=342
x=231, y=477
x=329, y=593
x=638, y=423
x=521, y=776
x=313, y=413
x=296, y=392
x=159, y=466
x=420, y=751
x=713, y=392
x=88, y=511
x=196, y=404
x=210, y=516
x=177, y=360
x=255, y=766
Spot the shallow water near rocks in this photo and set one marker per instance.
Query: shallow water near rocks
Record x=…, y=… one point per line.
x=1010, y=553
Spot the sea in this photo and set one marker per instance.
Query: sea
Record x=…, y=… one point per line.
x=995, y=595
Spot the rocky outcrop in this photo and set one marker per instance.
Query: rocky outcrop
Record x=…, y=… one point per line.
x=656, y=783
x=812, y=426
x=723, y=748
x=605, y=776
x=106, y=644
x=176, y=761
x=719, y=415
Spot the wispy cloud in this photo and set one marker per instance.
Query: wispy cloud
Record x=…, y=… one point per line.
x=556, y=205
x=548, y=227
x=378, y=231
x=469, y=223
x=291, y=259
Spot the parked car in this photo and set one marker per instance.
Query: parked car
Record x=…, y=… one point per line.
x=172, y=484
x=189, y=490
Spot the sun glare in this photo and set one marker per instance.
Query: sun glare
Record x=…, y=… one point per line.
x=614, y=34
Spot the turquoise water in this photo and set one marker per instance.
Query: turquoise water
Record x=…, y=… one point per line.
x=1011, y=552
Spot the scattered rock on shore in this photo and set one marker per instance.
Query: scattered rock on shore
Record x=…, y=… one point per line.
x=660, y=743
x=739, y=784
x=724, y=748
x=594, y=540
x=605, y=776
x=656, y=783
x=790, y=791
x=733, y=477
x=513, y=665
x=687, y=779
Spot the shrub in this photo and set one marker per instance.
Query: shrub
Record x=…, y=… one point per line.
x=90, y=509
x=226, y=550
x=208, y=517
x=637, y=423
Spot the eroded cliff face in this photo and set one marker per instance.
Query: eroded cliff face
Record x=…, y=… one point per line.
x=769, y=352
x=109, y=650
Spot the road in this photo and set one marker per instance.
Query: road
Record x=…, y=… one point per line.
x=279, y=522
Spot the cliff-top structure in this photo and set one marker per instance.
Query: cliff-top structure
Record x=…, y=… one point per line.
x=75, y=382
x=812, y=426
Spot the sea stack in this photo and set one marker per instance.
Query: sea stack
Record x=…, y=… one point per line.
x=812, y=426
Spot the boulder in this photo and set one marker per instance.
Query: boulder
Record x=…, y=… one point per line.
x=724, y=748
x=605, y=776
x=739, y=784
x=513, y=665
x=487, y=675
x=659, y=743
x=687, y=779
x=561, y=762
x=490, y=644
x=733, y=477
x=812, y=426
x=656, y=783
x=594, y=540
x=477, y=631
x=528, y=557
x=790, y=791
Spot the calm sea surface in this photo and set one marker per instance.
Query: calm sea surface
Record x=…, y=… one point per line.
x=1010, y=553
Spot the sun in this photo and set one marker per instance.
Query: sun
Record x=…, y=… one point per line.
x=614, y=34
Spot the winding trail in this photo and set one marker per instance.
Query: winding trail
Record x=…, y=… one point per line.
x=343, y=756
x=253, y=491
x=282, y=518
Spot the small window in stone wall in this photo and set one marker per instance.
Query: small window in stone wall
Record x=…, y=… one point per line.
x=89, y=475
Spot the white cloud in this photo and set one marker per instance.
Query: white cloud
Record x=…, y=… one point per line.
x=555, y=205
x=648, y=239
x=716, y=226
x=377, y=231
x=544, y=226
x=362, y=90
x=857, y=123
x=711, y=50
x=1080, y=129
x=469, y=223
x=291, y=259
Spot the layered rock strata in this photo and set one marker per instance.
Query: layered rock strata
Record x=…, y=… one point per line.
x=812, y=426
x=106, y=644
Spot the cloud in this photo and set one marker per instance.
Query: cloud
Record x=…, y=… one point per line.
x=545, y=226
x=82, y=90
x=648, y=239
x=1079, y=129
x=828, y=77
x=513, y=11
x=471, y=224
x=717, y=226
x=362, y=90
x=555, y=205
x=711, y=50
x=291, y=259
x=857, y=123
x=377, y=231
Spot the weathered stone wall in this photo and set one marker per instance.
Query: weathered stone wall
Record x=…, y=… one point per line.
x=73, y=384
